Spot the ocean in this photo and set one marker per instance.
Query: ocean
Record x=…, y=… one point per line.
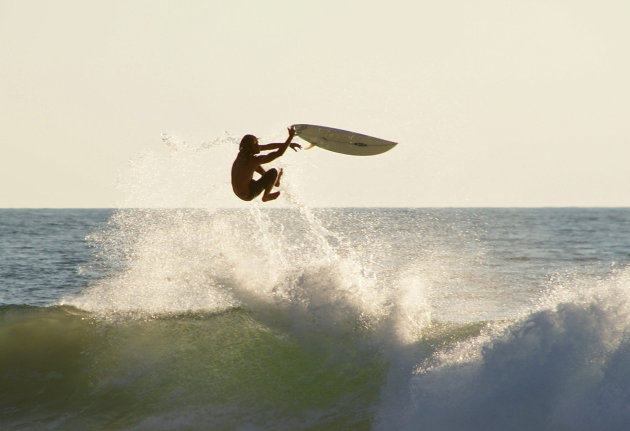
x=315, y=319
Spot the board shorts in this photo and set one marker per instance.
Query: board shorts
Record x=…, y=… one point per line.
x=256, y=187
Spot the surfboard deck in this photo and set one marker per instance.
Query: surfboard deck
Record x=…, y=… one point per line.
x=342, y=141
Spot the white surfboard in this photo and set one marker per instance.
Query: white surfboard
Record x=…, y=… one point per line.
x=342, y=141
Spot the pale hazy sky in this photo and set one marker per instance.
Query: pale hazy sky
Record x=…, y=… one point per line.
x=493, y=102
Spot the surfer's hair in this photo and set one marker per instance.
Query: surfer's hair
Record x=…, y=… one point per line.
x=247, y=143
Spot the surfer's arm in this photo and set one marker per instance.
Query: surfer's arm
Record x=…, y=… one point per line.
x=292, y=145
x=281, y=149
x=270, y=146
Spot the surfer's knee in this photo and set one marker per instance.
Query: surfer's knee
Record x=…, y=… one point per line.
x=268, y=180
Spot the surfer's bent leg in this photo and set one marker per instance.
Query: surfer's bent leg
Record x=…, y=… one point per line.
x=264, y=183
x=271, y=178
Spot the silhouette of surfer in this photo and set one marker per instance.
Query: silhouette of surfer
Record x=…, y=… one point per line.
x=249, y=161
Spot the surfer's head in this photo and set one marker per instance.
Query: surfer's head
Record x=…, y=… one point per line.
x=249, y=144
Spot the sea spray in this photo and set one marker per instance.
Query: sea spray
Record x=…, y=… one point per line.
x=207, y=259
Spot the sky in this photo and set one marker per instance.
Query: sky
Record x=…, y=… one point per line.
x=493, y=102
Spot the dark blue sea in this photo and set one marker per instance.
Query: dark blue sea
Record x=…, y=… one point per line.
x=315, y=319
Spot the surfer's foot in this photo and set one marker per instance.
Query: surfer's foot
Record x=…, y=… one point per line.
x=278, y=178
x=270, y=196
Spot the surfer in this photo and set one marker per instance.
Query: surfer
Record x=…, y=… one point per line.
x=247, y=162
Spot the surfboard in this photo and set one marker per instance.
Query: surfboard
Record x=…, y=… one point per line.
x=342, y=141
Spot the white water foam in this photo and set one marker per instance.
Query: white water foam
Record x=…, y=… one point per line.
x=565, y=366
